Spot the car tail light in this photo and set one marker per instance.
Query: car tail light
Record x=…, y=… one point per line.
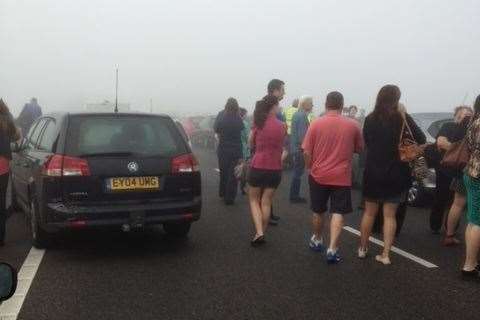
x=59, y=165
x=185, y=163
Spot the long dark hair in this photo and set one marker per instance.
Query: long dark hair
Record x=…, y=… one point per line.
x=386, y=106
x=262, y=110
x=6, y=121
x=231, y=107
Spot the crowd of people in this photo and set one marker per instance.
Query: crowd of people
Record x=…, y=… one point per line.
x=395, y=149
x=254, y=155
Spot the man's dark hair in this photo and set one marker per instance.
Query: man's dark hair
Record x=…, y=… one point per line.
x=334, y=101
x=274, y=84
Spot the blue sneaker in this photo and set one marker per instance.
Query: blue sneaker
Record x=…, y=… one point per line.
x=316, y=244
x=333, y=257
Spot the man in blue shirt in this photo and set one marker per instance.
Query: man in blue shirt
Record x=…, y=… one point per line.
x=299, y=128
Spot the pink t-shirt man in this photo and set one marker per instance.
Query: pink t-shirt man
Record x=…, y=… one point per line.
x=331, y=141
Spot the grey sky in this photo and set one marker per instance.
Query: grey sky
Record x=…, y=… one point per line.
x=190, y=56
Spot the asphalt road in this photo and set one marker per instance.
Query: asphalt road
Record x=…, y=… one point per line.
x=215, y=274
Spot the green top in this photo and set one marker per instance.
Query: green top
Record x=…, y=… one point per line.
x=244, y=135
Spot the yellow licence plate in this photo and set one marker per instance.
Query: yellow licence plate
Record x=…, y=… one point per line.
x=134, y=183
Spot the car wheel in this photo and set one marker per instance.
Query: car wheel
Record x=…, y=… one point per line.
x=14, y=204
x=40, y=238
x=179, y=230
x=414, y=196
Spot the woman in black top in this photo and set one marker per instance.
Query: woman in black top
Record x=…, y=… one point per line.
x=228, y=126
x=449, y=132
x=8, y=134
x=444, y=142
x=386, y=179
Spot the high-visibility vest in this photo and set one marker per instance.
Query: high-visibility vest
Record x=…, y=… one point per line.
x=310, y=117
x=288, y=113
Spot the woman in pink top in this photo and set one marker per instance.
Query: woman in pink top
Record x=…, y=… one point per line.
x=8, y=134
x=266, y=141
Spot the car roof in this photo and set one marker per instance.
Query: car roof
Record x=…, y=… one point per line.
x=432, y=115
x=118, y=114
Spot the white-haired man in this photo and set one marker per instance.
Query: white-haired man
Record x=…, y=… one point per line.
x=300, y=123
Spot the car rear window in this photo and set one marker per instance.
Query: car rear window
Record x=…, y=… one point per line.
x=142, y=135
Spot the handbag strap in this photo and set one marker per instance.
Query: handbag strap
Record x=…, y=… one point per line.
x=405, y=124
x=401, y=131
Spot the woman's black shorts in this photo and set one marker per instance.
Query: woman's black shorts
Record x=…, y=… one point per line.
x=265, y=179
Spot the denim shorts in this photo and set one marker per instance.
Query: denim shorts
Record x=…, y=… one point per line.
x=396, y=199
x=265, y=179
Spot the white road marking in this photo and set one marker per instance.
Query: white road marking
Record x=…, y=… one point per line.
x=399, y=251
x=10, y=309
x=216, y=169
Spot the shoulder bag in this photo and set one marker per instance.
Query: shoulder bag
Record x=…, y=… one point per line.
x=457, y=156
x=408, y=149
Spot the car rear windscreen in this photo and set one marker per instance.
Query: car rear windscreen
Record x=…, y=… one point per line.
x=111, y=134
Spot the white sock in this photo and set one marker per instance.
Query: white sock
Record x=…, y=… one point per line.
x=315, y=238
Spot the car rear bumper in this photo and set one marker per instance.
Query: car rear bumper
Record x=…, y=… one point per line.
x=59, y=216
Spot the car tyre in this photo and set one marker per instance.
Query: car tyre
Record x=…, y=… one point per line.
x=414, y=196
x=14, y=204
x=177, y=230
x=40, y=238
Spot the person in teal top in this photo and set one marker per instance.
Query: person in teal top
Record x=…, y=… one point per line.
x=245, y=134
x=245, y=145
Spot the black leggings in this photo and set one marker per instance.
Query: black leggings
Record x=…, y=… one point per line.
x=3, y=204
x=227, y=160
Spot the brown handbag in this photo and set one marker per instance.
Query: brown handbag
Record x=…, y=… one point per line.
x=457, y=156
x=408, y=149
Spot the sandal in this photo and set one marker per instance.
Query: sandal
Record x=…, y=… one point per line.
x=384, y=260
x=451, y=241
x=258, y=241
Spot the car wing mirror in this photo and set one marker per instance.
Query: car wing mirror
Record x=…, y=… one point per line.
x=8, y=281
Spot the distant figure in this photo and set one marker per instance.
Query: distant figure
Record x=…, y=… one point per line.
x=188, y=126
x=8, y=134
x=30, y=112
x=352, y=112
x=288, y=114
x=229, y=126
x=299, y=127
x=329, y=146
x=276, y=88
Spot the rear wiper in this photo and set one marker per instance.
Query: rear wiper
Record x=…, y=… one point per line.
x=107, y=154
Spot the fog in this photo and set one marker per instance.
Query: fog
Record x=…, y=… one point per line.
x=190, y=56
